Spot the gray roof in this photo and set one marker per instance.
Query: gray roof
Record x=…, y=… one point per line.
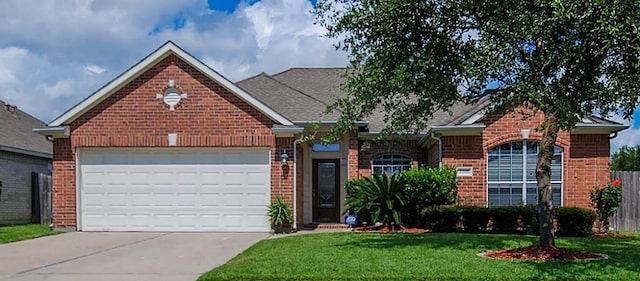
x=17, y=135
x=302, y=95
x=603, y=121
x=294, y=104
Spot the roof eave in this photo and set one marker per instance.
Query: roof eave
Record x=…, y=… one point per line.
x=327, y=123
x=375, y=135
x=61, y=132
x=452, y=130
x=593, y=128
x=283, y=132
x=458, y=130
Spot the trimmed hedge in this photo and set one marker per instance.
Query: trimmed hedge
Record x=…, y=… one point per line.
x=574, y=222
x=570, y=221
x=427, y=187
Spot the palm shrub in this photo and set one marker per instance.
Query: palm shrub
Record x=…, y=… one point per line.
x=279, y=212
x=428, y=187
x=378, y=197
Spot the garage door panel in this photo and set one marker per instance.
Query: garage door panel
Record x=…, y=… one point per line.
x=174, y=190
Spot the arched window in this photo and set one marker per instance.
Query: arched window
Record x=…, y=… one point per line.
x=391, y=164
x=511, y=174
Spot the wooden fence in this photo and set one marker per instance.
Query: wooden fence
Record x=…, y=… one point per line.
x=41, y=198
x=628, y=216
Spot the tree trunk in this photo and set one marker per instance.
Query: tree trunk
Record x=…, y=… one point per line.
x=543, y=176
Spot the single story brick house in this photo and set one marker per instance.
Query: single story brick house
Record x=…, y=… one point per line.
x=171, y=145
x=22, y=153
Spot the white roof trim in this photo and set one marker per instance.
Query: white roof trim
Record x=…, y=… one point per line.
x=56, y=132
x=147, y=63
x=474, y=118
x=586, y=121
x=598, y=128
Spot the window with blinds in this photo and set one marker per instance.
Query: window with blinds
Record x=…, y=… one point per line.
x=511, y=174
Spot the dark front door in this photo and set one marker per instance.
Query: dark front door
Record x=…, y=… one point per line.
x=326, y=204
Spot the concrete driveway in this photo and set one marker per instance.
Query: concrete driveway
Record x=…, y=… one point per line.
x=121, y=256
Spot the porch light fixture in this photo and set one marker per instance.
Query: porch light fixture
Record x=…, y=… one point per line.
x=284, y=157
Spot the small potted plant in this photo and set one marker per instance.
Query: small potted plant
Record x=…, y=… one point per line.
x=279, y=213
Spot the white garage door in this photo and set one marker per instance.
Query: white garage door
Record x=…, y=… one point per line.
x=174, y=190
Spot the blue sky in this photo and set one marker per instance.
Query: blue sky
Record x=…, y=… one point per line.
x=54, y=53
x=228, y=6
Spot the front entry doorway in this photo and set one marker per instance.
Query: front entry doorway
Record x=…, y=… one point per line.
x=326, y=193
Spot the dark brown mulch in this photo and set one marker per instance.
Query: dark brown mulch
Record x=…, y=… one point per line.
x=540, y=253
x=387, y=229
x=610, y=234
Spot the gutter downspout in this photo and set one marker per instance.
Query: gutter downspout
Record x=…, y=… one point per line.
x=433, y=136
x=295, y=181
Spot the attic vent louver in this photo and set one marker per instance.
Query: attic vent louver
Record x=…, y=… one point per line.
x=172, y=95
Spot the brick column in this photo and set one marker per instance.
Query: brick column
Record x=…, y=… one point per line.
x=353, y=155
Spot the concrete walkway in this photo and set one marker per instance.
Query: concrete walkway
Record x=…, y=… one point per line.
x=123, y=256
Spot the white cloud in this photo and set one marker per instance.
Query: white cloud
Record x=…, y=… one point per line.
x=94, y=69
x=51, y=50
x=11, y=58
x=60, y=89
x=628, y=137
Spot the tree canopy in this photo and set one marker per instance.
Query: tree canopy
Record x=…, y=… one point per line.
x=626, y=159
x=565, y=58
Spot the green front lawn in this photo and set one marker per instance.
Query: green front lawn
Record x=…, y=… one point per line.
x=12, y=233
x=433, y=256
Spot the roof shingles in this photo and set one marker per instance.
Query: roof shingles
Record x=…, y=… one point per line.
x=303, y=94
x=17, y=131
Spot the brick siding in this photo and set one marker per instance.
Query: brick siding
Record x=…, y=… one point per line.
x=210, y=116
x=586, y=157
x=369, y=150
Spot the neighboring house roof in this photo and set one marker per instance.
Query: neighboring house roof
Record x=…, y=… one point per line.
x=148, y=62
x=16, y=135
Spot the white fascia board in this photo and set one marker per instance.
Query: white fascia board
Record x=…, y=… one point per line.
x=149, y=62
x=328, y=123
x=287, y=131
x=586, y=120
x=56, y=132
x=458, y=129
x=375, y=135
x=594, y=128
x=474, y=118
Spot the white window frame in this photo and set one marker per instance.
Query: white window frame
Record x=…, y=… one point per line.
x=524, y=182
x=393, y=158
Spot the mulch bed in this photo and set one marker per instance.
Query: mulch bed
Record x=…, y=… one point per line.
x=387, y=229
x=539, y=253
x=610, y=234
